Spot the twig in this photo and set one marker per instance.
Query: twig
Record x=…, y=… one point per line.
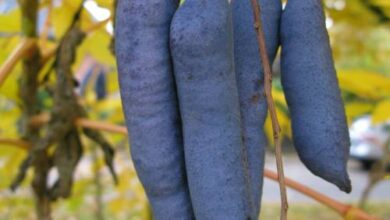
x=341, y=208
x=107, y=149
x=44, y=118
x=39, y=120
x=271, y=106
x=97, y=125
x=16, y=142
x=18, y=53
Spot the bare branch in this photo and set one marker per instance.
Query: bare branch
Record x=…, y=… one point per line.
x=271, y=106
x=97, y=125
x=16, y=142
x=341, y=208
x=17, y=54
x=41, y=119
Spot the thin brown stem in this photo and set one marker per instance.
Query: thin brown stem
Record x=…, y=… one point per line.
x=44, y=118
x=102, y=126
x=17, y=54
x=341, y=208
x=15, y=142
x=271, y=106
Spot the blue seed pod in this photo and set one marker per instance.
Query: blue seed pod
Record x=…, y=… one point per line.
x=320, y=131
x=250, y=78
x=150, y=104
x=202, y=51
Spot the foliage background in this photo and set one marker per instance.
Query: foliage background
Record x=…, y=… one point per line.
x=360, y=36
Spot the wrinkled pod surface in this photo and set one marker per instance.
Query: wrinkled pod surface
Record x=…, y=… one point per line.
x=150, y=104
x=319, y=126
x=202, y=51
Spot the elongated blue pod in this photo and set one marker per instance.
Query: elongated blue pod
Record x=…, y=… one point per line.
x=250, y=78
x=202, y=51
x=150, y=104
x=320, y=131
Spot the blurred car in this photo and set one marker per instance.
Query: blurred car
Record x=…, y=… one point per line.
x=368, y=140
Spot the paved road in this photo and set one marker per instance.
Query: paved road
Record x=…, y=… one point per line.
x=296, y=170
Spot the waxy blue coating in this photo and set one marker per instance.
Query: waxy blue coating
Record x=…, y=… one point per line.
x=250, y=78
x=202, y=51
x=320, y=130
x=150, y=104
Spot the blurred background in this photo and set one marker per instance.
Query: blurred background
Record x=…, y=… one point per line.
x=67, y=46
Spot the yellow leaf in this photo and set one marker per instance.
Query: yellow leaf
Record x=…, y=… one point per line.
x=62, y=17
x=9, y=118
x=87, y=20
x=278, y=97
x=111, y=104
x=381, y=3
x=355, y=109
x=112, y=82
x=10, y=87
x=10, y=22
x=7, y=45
x=381, y=112
x=365, y=84
x=74, y=4
x=97, y=44
x=105, y=3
